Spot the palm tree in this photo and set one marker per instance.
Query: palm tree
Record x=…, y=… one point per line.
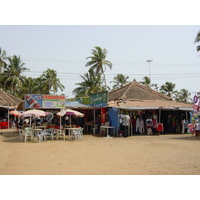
x=98, y=62
x=91, y=84
x=12, y=75
x=119, y=81
x=183, y=96
x=50, y=81
x=156, y=86
x=197, y=39
x=3, y=58
x=146, y=82
x=168, y=89
x=31, y=86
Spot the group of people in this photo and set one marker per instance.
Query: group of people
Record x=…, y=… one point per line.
x=23, y=123
x=140, y=124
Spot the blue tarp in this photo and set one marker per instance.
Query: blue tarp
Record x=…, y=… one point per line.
x=114, y=118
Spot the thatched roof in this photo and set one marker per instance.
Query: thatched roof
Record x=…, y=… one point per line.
x=137, y=96
x=8, y=100
x=136, y=91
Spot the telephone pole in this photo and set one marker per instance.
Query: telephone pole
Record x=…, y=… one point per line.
x=149, y=61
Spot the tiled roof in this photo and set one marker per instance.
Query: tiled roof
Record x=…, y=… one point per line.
x=137, y=96
x=136, y=91
x=7, y=99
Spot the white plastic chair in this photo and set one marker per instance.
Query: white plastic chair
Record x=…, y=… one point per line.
x=28, y=133
x=49, y=133
x=42, y=136
x=79, y=133
x=21, y=135
x=94, y=129
x=14, y=126
x=60, y=133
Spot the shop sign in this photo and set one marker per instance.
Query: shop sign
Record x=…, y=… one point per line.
x=44, y=101
x=196, y=101
x=33, y=101
x=53, y=101
x=99, y=99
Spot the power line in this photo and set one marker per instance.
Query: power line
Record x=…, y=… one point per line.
x=114, y=62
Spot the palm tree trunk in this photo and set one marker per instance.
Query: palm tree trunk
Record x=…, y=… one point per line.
x=104, y=77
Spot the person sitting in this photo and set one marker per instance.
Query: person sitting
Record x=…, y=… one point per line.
x=24, y=125
x=44, y=123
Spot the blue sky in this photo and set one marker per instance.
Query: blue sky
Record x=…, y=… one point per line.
x=64, y=48
x=61, y=39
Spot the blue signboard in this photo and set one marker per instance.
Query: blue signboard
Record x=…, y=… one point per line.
x=33, y=101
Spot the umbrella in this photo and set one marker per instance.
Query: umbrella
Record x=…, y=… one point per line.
x=70, y=112
x=33, y=113
x=36, y=113
x=15, y=113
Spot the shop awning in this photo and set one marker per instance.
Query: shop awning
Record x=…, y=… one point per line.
x=155, y=108
x=139, y=108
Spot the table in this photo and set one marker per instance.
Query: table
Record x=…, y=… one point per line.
x=107, y=129
x=70, y=130
x=42, y=127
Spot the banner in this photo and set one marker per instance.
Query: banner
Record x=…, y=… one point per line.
x=33, y=101
x=99, y=99
x=53, y=101
x=44, y=101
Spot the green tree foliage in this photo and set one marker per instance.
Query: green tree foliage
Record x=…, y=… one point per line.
x=12, y=76
x=91, y=84
x=119, y=81
x=197, y=40
x=146, y=82
x=50, y=82
x=12, y=80
x=98, y=62
x=3, y=59
x=183, y=96
x=168, y=89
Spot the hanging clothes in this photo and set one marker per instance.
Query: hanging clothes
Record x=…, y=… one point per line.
x=160, y=127
x=183, y=125
x=133, y=122
x=141, y=128
x=155, y=121
x=137, y=125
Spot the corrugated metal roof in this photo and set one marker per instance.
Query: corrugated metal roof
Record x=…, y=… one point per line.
x=75, y=104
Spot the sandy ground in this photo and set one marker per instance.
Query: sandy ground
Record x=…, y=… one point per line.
x=171, y=154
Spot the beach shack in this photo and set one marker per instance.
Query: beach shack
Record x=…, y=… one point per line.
x=94, y=108
x=7, y=102
x=135, y=103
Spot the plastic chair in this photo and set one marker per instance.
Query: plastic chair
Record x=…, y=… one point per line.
x=103, y=130
x=28, y=133
x=94, y=129
x=49, y=133
x=21, y=135
x=42, y=136
x=79, y=133
x=60, y=133
x=14, y=126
